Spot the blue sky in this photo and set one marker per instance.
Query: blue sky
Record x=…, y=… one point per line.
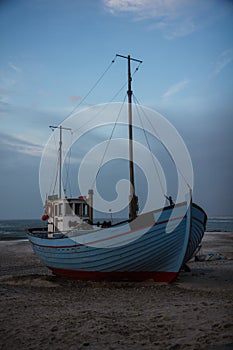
x=52, y=52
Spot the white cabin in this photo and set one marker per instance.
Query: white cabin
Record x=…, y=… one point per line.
x=68, y=213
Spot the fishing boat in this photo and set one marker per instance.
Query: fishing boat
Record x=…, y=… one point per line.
x=150, y=245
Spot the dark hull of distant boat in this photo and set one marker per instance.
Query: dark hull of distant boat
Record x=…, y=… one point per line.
x=198, y=227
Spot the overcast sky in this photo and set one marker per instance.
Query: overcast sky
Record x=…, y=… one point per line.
x=53, y=51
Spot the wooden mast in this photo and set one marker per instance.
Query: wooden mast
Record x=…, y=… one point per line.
x=60, y=162
x=60, y=157
x=133, y=199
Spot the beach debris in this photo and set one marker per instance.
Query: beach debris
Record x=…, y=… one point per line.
x=209, y=257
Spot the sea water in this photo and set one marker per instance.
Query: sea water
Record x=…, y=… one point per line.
x=220, y=224
x=16, y=229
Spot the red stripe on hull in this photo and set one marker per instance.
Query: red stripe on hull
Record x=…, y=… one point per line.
x=157, y=276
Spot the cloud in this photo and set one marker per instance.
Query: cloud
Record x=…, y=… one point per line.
x=174, y=89
x=14, y=67
x=225, y=58
x=8, y=86
x=4, y=100
x=174, y=18
x=174, y=28
x=143, y=8
x=20, y=144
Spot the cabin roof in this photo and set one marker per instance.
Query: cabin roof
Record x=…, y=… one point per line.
x=80, y=199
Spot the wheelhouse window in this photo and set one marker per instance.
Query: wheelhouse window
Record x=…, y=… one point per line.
x=78, y=209
x=68, y=209
x=60, y=210
x=85, y=209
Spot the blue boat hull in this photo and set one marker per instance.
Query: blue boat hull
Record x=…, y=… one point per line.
x=198, y=226
x=151, y=249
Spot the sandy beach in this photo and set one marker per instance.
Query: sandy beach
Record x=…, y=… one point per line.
x=41, y=311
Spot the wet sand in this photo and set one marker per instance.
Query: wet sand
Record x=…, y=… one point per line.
x=41, y=311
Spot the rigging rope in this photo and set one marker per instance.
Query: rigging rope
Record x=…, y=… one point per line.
x=100, y=111
x=136, y=69
x=148, y=144
x=109, y=140
x=55, y=182
x=111, y=100
x=92, y=88
x=67, y=167
x=108, y=143
x=158, y=137
x=55, y=174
